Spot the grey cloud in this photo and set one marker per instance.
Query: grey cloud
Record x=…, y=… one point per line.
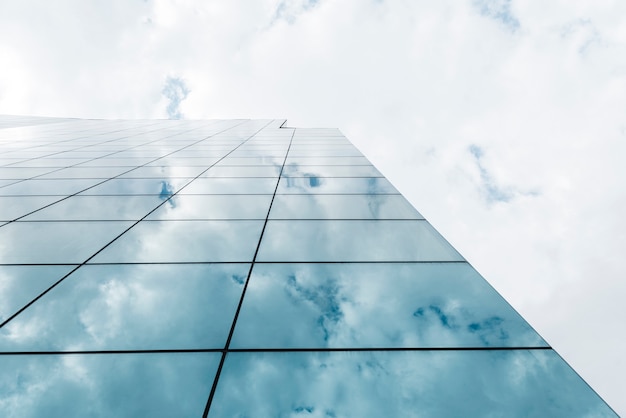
x=175, y=90
x=499, y=10
x=493, y=192
x=289, y=10
x=582, y=31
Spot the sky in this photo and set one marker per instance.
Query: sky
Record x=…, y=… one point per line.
x=502, y=121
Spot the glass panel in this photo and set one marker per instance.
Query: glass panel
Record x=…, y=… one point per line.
x=214, y=207
x=184, y=162
x=48, y=187
x=55, y=242
x=236, y=161
x=7, y=182
x=163, y=187
x=376, y=305
x=295, y=170
x=132, y=307
x=98, y=208
x=12, y=207
x=231, y=185
x=21, y=173
x=115, y=162
x=243, y=171
x=240, y=152
x=321, y=152
x=185, y=241
x=312, y=185
x=21, y=284
x=213, y=154
x=354, y=241
x=365, y=206
x=85, y=172
x=512, y=383
x=48, y=162
x=106, y=385
x=164, y=172
x=328, y=160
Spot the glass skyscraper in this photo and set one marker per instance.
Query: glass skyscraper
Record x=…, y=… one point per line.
x=240, y=268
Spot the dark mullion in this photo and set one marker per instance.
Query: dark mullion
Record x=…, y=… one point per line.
x=243, y=293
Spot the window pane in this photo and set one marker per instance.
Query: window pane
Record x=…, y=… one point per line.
x=513, y=383
x=185, y=241
x=106, y=385
x=214, y=207
x=319, y=185
x=354, y=241
x=320, y=206
x=132, y=307
x=376, y=305
x=55, y=242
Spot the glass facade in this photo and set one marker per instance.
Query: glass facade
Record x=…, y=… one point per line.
x=238, y=268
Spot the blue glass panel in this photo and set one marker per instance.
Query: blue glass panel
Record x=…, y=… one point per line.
x=114, y=162
x=164, y=172
x=12, y=207
x=132, y=307
x=328, y=160
x=231, y=185
x=55, y=242
x=131, y=186
x=354, y=241
x=85, y=172
x=319, y=185
x=185, y=241
x=238, y=161
x=512, y=383
x=184, y=162
x=295, y=170
x=21, y=173
x=4, y=183
x=214, y=207
x=243, y=171
x=106, y=385
x=21, y=284
x=47, y=162
x=48, y=187
x=376, y=305
x=83, y=207
x=365, y=206
x=324, y=152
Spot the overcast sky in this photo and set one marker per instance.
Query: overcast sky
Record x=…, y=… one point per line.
x=502, y=121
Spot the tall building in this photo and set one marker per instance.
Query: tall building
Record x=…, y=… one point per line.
x=239, y=268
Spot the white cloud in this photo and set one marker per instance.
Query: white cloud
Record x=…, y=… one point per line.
x=414, y=85
x=175, y=91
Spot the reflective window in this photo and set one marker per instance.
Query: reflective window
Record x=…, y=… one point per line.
x=313, y=185
x=512, y=383
x=12, y=207
x=337, y=206
x=231, y=185
x=106, y=385
x=185, y=241
x=22, y=284
x=132, y=307
x=98, y=208
x=48, y=187
x=376, y=305
x=296, y=170
x=354, y=241
x=131, y=186
x=144, y=263
x=234, y=206
x=55, y=242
